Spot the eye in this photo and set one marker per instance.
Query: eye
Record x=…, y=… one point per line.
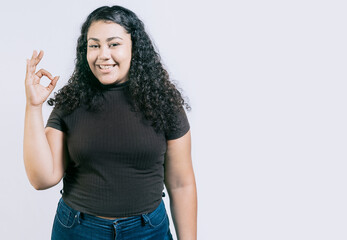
x=93, y=46
x=114, y=44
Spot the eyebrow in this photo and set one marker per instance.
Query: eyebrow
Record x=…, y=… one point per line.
x=108, y=39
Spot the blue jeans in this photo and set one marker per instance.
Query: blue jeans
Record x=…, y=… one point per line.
x=71, y=224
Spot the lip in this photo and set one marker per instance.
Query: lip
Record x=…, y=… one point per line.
x=105, y=70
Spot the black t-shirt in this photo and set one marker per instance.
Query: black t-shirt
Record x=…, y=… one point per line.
x=115, y=157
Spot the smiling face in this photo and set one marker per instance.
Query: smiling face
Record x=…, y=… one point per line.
x=109, y=52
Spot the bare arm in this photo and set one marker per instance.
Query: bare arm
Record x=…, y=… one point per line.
x=43, y=150
x=180, y=183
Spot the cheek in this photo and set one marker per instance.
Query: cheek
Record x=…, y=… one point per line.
x=90, y=59
x=123, y=55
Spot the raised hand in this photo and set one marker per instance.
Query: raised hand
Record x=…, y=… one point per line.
x=37, y=94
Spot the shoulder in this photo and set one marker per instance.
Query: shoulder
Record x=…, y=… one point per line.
x=56, y=119
x=181, y=127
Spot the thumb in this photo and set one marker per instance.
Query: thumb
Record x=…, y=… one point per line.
x=53, y=83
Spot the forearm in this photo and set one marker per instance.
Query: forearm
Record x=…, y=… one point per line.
x=183, y=203
x=36, y=151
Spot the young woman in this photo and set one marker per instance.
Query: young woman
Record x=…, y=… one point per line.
x=117, y=133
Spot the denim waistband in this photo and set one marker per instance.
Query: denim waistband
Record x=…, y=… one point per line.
x=103, y=221
x=73, y=224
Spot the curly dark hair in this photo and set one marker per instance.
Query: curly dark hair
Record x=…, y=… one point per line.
x=150, y=87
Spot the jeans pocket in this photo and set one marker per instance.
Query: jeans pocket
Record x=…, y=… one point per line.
x=65, y=215
x=158, y=216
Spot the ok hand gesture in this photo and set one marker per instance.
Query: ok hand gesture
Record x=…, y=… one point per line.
x=37, y=94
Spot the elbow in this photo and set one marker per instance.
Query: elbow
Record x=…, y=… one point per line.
x=41, y=185
x=40, y=182
x=35, y=181
x=38, y=186
x=189, y=186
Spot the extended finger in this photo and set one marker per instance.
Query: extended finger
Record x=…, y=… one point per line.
x=31, y=66
x=34, y=55
x=28, y=79
x=30, y=70
x=27, y=68
x=36, y=58
x=39, y=57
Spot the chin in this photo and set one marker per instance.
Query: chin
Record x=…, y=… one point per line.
x=108, y=81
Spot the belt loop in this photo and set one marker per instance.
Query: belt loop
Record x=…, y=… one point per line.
x=144, y=219
x=78, y=216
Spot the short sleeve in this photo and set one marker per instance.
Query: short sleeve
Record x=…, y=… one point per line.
x=55, y=120
x=183, y=126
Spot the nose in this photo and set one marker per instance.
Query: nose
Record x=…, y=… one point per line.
x=104, y=53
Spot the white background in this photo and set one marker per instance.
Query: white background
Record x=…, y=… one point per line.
x=267, y=84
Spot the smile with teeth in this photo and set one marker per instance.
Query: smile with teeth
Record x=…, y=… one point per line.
x=106, y=66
